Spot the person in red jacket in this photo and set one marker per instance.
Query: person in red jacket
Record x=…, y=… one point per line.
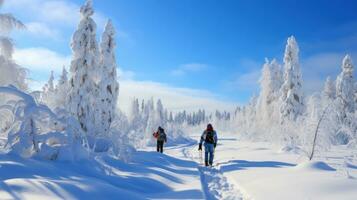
x=161, y=138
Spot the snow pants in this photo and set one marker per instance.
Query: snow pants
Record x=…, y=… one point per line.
x=209, y=153
x=160, y=146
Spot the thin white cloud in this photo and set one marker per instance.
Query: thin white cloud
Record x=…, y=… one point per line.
x=61, y=12
x=189, y=68
x=53, y=16
x=246, y=82
x=41, y=59
x=175, y=99
x=38, y=29
x=125, y=74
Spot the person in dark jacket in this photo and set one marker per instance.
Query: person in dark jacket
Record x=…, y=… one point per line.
x=209, y=137
x=161, y=138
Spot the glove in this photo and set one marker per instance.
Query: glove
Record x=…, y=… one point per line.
x=214, y=144
x=200, y=147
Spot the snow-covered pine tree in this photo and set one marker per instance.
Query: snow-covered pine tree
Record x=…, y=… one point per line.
x=134, y=110
x=355, y=86
x=108, y=86
x=291, y=92
x=345, y=87
x=84, y=68
x=171, y=118
x=159, y=118
x=48, y=92
x=62, y=88
x=11, y=73
x=270, y=84
x=329, y=92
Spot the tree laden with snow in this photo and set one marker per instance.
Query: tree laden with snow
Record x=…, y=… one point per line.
x=108, y=89
x=270, y=83
x=11, y=73
x=329, y=91
x=291, y=91
x=62, y=88
x=48, y=92
x=84, y=71
x=345, y=86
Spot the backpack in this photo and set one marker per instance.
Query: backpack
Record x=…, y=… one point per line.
x=161, y=136
x=209, y=137
x=156, y=135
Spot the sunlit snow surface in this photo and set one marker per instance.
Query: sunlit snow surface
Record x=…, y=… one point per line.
x=242, y=170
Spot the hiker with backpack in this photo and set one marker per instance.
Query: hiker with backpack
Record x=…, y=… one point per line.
x=161, y=138
x=209, y=137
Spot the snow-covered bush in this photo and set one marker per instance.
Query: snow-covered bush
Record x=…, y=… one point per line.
x=37, y=131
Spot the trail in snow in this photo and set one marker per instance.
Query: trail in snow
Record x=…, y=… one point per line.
x=214, y=184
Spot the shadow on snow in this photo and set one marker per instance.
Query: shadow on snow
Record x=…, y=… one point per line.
x=244, y=164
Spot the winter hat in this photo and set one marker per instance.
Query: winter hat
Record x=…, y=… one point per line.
x=209, y=127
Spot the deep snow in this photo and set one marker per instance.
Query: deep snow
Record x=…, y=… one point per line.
x=243, y=170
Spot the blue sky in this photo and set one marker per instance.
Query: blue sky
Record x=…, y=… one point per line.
x=207, y=49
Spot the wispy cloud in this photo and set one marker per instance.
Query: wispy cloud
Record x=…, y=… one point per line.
x=189, y=68
x=247, y=79
x=38, y=29
x=41, y=59
x=54, y=17
x=245, y=82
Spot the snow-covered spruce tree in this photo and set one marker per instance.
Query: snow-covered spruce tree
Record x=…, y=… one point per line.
x=11, y=73
x=159, y=118
x=329, y=91
x=345, y=87
x=134, y=110
x=137, y=124
x=61, y=90
x=108, y=89
x=48, y=92
x=84, y=72
x=291, y=92
x=355, y=96
x=270, y=84
x=345, y=103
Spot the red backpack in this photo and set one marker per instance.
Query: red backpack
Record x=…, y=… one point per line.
x=156, y=135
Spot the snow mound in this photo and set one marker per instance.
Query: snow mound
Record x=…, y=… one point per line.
x=314, y=165
x=291, y=149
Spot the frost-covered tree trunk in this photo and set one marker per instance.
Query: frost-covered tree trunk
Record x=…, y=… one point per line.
x=108, y=89
x=84, y=68
x=11, y=73
x=291, y=91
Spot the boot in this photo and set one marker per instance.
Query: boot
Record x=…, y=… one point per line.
x=206, y=163
x=210, y=164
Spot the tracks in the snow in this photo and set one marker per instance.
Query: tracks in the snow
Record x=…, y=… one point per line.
x=214, y=184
